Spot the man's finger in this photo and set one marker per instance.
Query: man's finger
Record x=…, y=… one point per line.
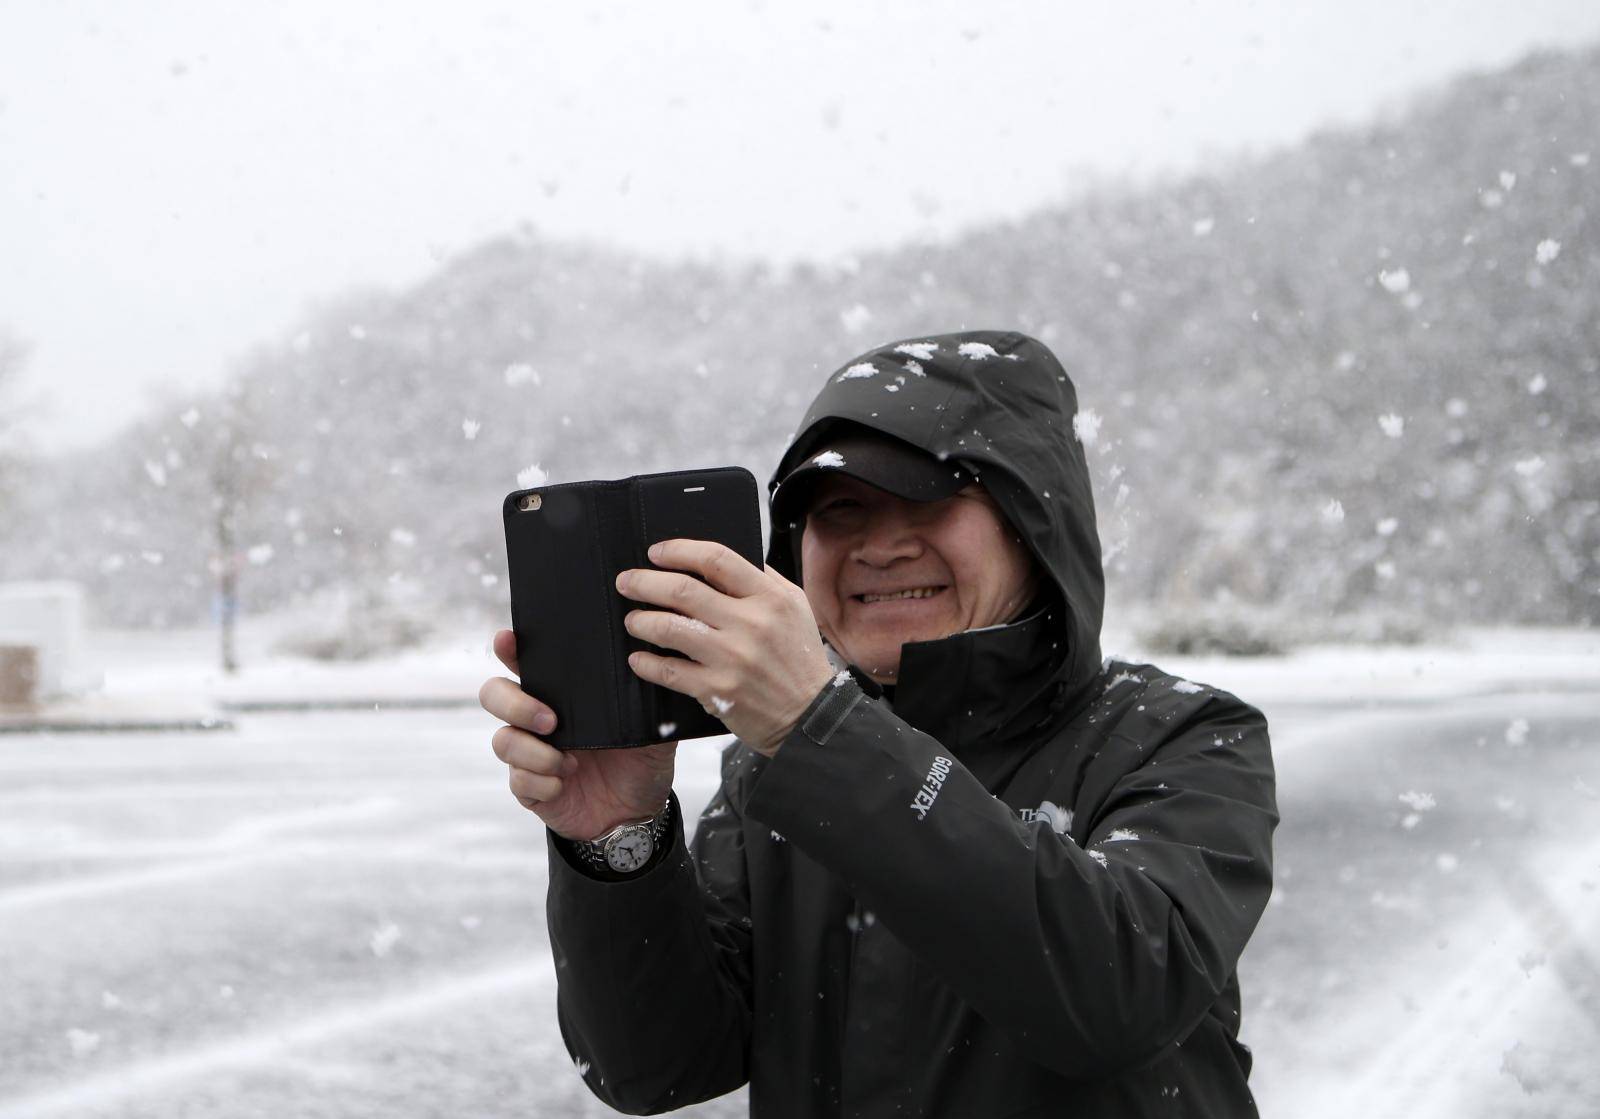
x=670, y=672
x=505, y=647
x=516, y=747
x=533, y=788
x=718, y=564
x=683, y=594
x=510, y=704
x=689, y=636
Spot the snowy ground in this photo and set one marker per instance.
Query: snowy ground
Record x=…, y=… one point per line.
x=339, y=913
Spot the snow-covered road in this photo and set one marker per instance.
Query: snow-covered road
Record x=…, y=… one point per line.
x=341, y=914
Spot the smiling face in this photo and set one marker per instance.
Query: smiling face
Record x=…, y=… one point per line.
x=880, y=571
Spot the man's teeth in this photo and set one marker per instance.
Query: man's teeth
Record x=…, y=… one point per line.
x=916, y=592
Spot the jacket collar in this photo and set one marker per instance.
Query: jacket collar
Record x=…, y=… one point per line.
x=981, y=692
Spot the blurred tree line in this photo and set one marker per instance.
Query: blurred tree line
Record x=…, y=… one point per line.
x=1359, y=375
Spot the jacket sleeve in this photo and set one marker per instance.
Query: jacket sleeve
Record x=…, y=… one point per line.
x=653, y=973
x=1094, y=958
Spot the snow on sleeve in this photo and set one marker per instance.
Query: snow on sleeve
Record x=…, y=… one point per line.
x=829, y=458
x=1086, y=427
x=922, y=351
x=1394, y=426
x=859, y=369
x=977, y=351
x=1187, y=687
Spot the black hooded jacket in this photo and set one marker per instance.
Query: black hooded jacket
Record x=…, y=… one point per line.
x=1017, y=884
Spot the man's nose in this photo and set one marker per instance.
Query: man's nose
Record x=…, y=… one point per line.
x=888, y=538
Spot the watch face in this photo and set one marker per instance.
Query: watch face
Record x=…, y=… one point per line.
x=630, y=850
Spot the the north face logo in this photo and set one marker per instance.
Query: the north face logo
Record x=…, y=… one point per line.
x=1059, y=819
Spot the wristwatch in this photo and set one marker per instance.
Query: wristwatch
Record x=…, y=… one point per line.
x=625, y=849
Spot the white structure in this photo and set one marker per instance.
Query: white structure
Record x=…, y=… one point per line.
x=48, y=617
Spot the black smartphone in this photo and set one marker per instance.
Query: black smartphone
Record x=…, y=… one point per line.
x=565, y=545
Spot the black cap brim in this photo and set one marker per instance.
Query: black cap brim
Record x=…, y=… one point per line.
x=883, y=461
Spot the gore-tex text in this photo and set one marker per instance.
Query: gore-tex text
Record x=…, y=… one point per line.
x=931, y=784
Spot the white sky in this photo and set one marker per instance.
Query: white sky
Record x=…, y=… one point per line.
x=178, y=180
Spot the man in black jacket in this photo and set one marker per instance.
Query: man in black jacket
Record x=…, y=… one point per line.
x=957, y=865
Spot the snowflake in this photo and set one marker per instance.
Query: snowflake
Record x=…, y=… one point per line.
x=1203, y=226
x=1419, y=801
x=1394, y=426
x=855, y=319
x=1396, y=282
x=470, y=428
x=1546, y=251
x=1333, y=512
x=1086, y=426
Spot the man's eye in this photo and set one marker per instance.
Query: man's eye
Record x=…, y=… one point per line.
x=835, y=505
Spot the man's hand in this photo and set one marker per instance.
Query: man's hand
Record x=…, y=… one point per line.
x=581, y=794
x=755, y=657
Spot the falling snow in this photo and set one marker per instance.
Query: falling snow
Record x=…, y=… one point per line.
x=383, y=939
x=1397, y=282
x=1546, y=251
x=1393, y=426
x=1086, y=426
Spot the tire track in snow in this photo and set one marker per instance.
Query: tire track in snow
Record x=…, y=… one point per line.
x=275, y=1044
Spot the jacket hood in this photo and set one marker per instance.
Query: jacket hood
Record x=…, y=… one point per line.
x=1002, y=406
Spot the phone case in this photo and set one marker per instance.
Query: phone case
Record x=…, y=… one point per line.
x=564, y=557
